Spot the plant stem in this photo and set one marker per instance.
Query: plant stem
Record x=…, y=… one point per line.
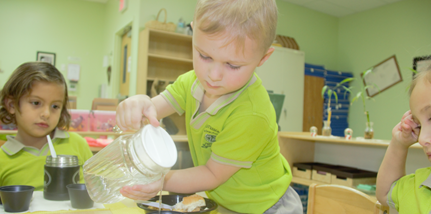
x=329, y=110
x=365, y=110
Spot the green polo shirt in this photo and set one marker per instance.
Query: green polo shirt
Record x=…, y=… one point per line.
x=412, y=193
x=24, y=165
x=238, y=129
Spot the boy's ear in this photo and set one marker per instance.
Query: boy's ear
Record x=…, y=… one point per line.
x=10, y=107
x=191, y=24
x=266, y=56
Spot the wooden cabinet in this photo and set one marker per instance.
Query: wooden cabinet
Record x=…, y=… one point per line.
x=313, y=103
x=162, y=57
x=283, y=73
x=299, y=147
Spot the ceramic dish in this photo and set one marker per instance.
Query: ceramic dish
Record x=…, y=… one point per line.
x=174, y=199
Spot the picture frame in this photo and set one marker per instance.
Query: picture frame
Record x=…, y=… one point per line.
x=421, y=63
x=383, y=76
x=46, y=57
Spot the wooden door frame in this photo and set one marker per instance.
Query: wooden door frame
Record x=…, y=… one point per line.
x=116, y=60
x=125, y=74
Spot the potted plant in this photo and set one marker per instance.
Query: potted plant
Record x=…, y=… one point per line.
x=362, y=95
x=332, y=91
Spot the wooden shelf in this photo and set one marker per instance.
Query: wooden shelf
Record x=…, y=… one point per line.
x=86, y=133
x=7, y=131
x=163, y=56
x=173, y=35
x=175, y=138
x=169, y=58
x=161, y=79
x=338, y=140
x=306, y=182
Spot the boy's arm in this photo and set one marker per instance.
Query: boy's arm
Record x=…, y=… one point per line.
x=200, y=178
x=404, y=134
x=131, y=111
x=391, y=169
x=190, y=180
x=163, y=108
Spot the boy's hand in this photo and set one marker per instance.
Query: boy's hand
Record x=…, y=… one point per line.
x=142, y=192
x=135, y=110
x=406, y=132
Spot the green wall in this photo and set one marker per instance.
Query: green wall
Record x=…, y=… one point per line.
x=70, y=28
x=115, y=24
x=88, y=31
x=366, y=39
x=316, y=33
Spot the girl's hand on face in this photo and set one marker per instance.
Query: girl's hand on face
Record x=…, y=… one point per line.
x=406, y=132
x=134, y=111
x=142, y=192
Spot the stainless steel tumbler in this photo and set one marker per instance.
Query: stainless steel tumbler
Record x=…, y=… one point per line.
x=59, y=172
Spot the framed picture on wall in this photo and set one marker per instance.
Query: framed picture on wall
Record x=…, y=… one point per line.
x=421, y=63
x=383, y=76
x=46, y=57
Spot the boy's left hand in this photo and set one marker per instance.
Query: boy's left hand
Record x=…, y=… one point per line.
x=405, y=132
x=142, y=192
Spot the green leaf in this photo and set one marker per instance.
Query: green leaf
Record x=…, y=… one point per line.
x=347, y=89
x=329, y=94
x=323, y=90
x=336, y=97
x=356, y=97
x=366, y=72
x=368, y=86
x=346, y=80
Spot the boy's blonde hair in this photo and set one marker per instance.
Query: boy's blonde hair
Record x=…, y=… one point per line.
x=20, y=83
x=256, y=19
x=420, y=75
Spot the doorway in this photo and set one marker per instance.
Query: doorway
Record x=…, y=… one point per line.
x=125, y=61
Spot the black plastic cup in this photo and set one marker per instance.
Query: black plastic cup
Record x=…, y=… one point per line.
x=79, y=197
x=16, y=198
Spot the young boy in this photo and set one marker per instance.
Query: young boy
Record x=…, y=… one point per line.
x=409, y=193
x=230, y=121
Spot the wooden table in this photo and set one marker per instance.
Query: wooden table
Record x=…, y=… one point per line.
x=126, y=206
x=299, y=146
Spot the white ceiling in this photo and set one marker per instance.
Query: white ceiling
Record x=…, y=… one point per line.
x=341, y=8
x=336, y=8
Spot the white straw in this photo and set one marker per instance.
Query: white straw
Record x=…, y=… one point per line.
x=51, y=147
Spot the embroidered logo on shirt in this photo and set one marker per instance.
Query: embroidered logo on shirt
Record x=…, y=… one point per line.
x=210, y=136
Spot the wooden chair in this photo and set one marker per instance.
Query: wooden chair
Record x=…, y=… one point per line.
x=104, y=104
x=337, y=199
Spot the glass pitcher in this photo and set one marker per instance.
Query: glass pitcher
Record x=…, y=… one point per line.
x=140, y=158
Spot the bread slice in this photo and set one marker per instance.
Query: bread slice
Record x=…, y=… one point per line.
x=190, y=204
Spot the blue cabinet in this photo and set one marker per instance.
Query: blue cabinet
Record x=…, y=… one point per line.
x=340, y=109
